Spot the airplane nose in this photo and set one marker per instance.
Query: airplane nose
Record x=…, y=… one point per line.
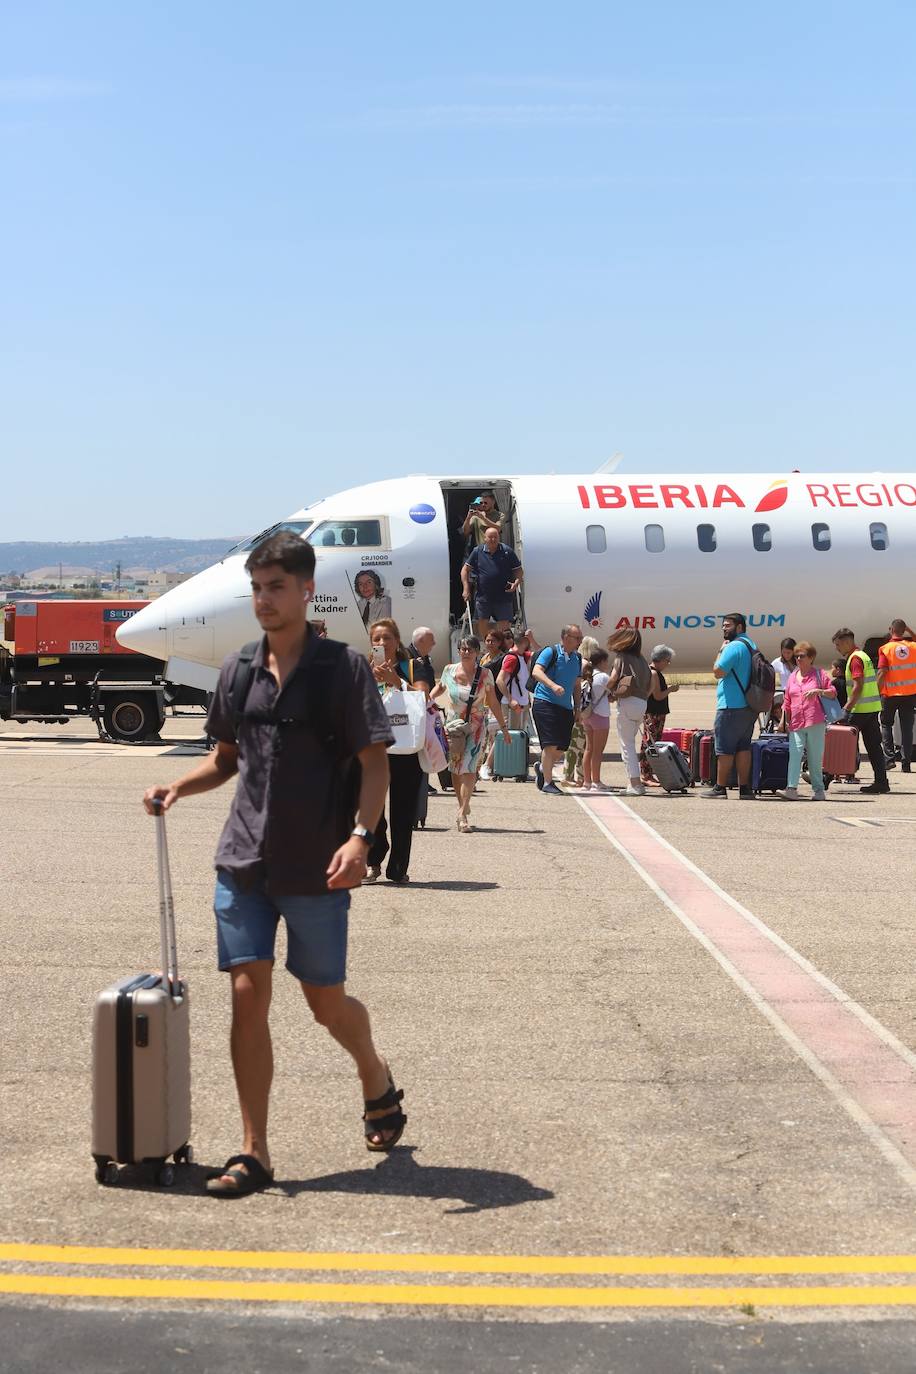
x=146, y=632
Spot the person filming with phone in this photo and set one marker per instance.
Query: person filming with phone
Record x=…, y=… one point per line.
x=482, y=516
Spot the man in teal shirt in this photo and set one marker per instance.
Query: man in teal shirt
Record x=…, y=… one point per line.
x=734, y=723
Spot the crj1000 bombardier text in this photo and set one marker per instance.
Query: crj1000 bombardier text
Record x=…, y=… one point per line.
x=798, y=554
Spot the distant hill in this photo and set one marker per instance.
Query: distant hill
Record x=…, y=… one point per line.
x=141, y=554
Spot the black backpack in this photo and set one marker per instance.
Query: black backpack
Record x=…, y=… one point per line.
x=319, y=695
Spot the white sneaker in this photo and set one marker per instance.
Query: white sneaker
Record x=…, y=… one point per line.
x=637, y=789
x=819, y=796
x=789, y=794
x=485, y=774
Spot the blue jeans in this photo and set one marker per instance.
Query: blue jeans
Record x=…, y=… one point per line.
x=811, y=738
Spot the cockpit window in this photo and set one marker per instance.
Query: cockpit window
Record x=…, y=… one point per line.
x=294, y=526
x=347, y=534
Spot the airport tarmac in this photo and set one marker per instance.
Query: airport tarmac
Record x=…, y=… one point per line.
x=657, y=1053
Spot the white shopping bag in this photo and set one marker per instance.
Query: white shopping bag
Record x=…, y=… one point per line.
x=406, y=713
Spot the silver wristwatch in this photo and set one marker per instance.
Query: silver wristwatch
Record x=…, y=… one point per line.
x=360, y=832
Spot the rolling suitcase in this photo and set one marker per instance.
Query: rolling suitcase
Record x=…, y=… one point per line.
x=669, y=766
x=841, y=750
x=511, y=760
x=769, y=763
x=419, y=820
x=701, y=756
x=141, y=1061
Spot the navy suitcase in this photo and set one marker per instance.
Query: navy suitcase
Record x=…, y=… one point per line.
x=669, y=765
x=769, y=763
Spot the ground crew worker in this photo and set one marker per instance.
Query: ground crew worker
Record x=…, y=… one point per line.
x=897, y=685
x=863, y=705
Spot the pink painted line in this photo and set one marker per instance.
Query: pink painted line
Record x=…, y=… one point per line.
x=876, y=1075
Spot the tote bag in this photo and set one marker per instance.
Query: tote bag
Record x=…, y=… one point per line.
x=434, y=754
x=406, y=712
x=832, y=709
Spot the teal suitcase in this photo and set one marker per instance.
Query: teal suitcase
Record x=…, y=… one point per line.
x=511, y=760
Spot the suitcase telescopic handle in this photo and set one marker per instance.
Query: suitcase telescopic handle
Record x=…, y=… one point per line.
x=167, y=938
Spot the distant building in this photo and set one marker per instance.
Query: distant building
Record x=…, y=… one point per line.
x=160, y=581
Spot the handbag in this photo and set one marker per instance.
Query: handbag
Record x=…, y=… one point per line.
x=833, y=711
x=626, y=683
x=406, y=712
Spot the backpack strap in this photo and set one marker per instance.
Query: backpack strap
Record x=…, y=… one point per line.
x=241, y=682
x=319, y=691
x=750, y=664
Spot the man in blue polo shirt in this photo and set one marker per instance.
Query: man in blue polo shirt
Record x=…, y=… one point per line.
x=497, y=573
x=734, y=724
x=556, y=673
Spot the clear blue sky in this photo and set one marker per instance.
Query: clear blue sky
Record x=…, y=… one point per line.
x=252, y=254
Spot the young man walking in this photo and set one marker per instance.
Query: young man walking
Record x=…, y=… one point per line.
x=292, y=722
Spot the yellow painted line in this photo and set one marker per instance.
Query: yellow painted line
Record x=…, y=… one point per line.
x=542, y=1265
x=452, y=1295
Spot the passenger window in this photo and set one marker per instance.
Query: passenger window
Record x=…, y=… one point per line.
x=706, y=538
x=294, y=527
x=655, y=538
x=596, y=538
x=820, y=537
x=763, y=538
x=877, y=533
x=347, y=534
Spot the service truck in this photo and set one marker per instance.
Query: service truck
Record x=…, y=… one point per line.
x=61, y=658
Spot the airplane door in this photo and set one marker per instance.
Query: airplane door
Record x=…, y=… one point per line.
x=458, y=494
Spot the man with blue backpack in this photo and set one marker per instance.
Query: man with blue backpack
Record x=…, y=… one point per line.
x=744, y=679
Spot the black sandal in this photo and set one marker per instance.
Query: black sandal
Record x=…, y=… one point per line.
x=395, y=1121
x=253, y=1181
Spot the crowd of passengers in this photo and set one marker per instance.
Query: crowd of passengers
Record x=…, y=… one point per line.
x=504, y=682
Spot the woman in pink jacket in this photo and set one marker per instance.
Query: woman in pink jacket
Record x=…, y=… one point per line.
x=803, y=715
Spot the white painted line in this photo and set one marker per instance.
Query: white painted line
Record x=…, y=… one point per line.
x=866, y=1069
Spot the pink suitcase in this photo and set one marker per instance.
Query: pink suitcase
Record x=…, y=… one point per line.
x=841, y=750
x=141, y=1059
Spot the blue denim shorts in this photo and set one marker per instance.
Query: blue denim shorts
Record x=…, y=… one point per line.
x=734, y=726
x=316, y=930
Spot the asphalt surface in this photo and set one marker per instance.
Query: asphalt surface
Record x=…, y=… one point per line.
x=581, y=1077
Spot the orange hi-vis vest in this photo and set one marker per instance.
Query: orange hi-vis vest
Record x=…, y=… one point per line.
x=900, y=674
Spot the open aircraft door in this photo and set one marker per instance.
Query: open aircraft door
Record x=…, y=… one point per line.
x=458, y=493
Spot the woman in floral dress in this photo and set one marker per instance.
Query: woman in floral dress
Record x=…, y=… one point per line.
x=460, y=683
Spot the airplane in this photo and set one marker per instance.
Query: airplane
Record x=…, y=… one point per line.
x=798, y=554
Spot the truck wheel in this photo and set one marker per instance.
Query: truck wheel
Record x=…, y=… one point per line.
x=131, y=718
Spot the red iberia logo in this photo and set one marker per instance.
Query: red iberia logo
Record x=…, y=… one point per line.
x=776, y=496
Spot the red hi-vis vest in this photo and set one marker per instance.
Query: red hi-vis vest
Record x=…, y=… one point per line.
x=900, y=674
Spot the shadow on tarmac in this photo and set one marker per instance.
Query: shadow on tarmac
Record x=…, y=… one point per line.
x=399, y=1175
x=454, y=885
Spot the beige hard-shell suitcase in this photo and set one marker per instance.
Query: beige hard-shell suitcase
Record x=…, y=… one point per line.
x=141, y=1058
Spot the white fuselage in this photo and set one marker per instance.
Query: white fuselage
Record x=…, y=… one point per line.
x=797, y=555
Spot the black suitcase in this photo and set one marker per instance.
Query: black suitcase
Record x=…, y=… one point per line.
x=422, y=804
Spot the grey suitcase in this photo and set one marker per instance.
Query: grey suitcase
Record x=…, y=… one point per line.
x=141, y=1059
x=669, y=765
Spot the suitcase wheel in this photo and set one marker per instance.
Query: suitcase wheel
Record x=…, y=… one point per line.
x=165, y=1175
x=184, y=1156
x=107, y=1174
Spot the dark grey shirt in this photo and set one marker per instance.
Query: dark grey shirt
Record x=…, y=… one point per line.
x=291, y=808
